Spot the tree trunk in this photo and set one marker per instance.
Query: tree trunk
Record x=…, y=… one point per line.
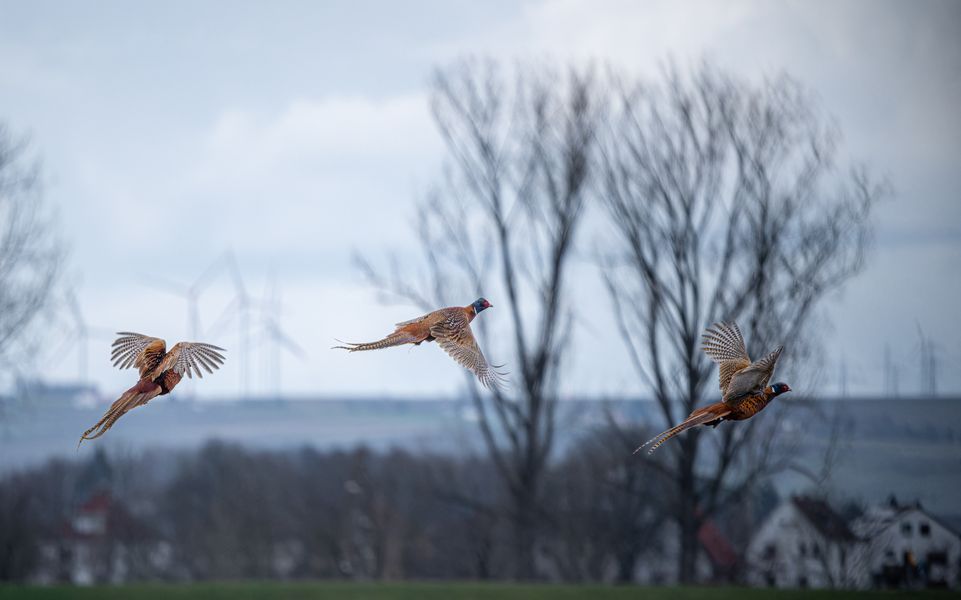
x=687, y=517
x=625, y=566
x=524, y=532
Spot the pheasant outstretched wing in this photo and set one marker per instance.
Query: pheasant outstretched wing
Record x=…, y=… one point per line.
x=765, y=366
x=137, y=350
x=192, y=358
x=455, y=337
x=724, y=343
x=753, y=378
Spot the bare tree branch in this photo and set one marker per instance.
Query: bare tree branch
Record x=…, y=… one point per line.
x=727, y=206
x=30, y=253
x=504, y=217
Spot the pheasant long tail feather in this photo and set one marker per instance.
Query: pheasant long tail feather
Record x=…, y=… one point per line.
x=130, y=399
x=398, y=338
x=698, y=417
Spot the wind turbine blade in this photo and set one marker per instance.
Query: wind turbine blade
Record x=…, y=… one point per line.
x=237, y=277
x=208, y=274
x=229, y=314
x=285, y=341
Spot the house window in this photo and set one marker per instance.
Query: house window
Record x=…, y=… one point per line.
x=770, y=552
x=925, y=529
x=906, y=529
x=816, y=550
x=802, y=581
x=803, y=549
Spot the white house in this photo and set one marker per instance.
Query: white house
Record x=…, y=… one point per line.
x=804, y=543
x=102, y=542
x=909, y=547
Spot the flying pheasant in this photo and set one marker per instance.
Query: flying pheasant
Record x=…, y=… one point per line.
x=160, y=371
x=450, y=327
x=744, y=386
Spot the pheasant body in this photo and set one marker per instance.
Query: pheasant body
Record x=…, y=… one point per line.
x=751, y=405
x=450, y=328
x=160, y=372
x=743, y=383
x=168, y=381
x=418, y=330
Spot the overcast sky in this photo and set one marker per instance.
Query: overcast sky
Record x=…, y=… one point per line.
x=295, y=133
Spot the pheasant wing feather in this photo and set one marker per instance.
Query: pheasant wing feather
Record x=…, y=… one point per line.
x=724, y=343
x=765, y=366
x=752, y=378
x=137, y=350
x=455, y=337
x=192, y=358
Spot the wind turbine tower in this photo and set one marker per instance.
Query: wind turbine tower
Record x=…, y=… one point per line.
x=274, y=339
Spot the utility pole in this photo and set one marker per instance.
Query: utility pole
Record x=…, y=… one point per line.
x=929, y=365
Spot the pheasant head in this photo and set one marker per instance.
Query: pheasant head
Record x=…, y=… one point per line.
x=480, y=304
x=779, y=388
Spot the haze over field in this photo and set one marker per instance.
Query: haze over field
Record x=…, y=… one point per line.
x=883, y=451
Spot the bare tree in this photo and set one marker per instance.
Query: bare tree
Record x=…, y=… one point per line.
x=29, y=249
x=725, y=204
x=504, y=217
x=604, y=518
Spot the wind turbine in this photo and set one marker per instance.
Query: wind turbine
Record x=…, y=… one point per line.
x=79, y=333
x=929, y=364
x=274, y=338
x=191, y=293
x=242, y=311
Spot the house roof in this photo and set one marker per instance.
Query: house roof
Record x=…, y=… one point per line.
x=717, y=547
x=119, y=522
x=98, y=502
x=878, y=518
x=823, y=518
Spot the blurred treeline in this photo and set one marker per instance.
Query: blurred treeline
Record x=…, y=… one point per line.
x=225, y=511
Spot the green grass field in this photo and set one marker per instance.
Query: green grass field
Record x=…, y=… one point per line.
x=417, y=591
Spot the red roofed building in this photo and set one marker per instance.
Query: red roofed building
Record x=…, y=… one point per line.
x=102, y=542
x=719, y=550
